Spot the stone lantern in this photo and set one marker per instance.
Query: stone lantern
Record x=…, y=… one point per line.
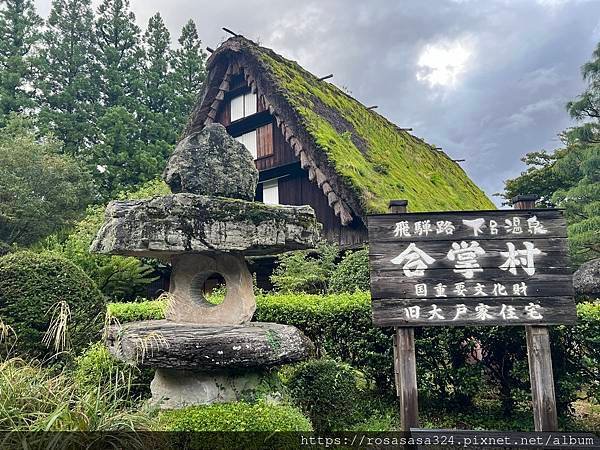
x=203, y=352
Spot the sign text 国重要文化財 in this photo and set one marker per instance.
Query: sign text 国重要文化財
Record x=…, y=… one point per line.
x=470, y=268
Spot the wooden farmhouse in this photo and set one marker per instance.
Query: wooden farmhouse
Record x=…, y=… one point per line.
x=314, y=144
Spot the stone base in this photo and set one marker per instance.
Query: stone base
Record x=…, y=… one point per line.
x=173, y=389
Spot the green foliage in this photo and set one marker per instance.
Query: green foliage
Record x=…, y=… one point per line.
x=31, y=285
x=40, y=190
x=375, y=159
x=34, y=398
x=305, y=270
x=66, y=75
x=576, y=354
x=329, y=392
x=19, y=34
x=451, y=370
x=240, y=416
x=352, y=273
x=97, y=368
x=118, y=277
x=188, y=62
x=132, y=312
x=581, y=200
x=569, y=178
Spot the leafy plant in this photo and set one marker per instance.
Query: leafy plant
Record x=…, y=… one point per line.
x=351, y=273
x=329, y=392
x=305, y=270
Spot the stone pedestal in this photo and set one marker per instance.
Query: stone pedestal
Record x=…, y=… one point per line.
x=172, y=388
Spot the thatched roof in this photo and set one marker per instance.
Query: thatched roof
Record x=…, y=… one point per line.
x=358, y=158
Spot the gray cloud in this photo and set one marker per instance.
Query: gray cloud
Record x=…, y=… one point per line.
x=522, y=63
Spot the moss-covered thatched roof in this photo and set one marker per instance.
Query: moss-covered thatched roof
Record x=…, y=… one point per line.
x=360, y=159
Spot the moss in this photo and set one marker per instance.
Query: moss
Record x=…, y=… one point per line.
x=375, y=159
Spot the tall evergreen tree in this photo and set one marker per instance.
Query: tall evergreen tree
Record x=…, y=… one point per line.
x=19, y=33
x=189, y=72
x=67, y=82
x=119, y=54
x=156, y=112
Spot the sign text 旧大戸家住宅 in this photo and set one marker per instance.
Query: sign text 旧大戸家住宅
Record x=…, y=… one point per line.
x=470, y=268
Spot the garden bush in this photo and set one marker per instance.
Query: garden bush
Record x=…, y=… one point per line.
x=351, y=273
x=239, y=416
x=329, y=392
x=449, y=374
x=44, y=296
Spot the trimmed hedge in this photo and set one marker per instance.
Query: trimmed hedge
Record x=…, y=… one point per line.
x=340, y=326
x=32, y=286
x=239, y=416
x=331, y=393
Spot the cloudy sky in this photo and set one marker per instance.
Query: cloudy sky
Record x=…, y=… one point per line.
x=485, y=80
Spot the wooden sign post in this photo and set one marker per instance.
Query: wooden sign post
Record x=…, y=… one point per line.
x=405, y=362
x=540, y=362
x=472, y=268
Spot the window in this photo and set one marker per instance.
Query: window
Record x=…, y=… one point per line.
x=249, y=140
x=243, y=106
x=271, y=192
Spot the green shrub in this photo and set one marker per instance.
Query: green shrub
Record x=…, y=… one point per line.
x=239, y=416
x=352, y=273
x=329, y=392
x=96, y=367
x=142, y=310
x=305, y=270
x=448, y=369
x=46, y=296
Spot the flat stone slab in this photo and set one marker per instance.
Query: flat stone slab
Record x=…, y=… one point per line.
x=163, y=344
x=191, y=223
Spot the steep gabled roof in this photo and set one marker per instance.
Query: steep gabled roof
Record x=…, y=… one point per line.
x=357, y=157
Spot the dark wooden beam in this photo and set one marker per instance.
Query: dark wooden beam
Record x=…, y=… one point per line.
x=372, y=107
x=227, y=30
x=459, y=160
x=326, y=77
x=210, y=50
x=405, y=129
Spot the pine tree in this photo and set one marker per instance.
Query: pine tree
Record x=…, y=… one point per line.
x=19, y=33
x=156, y=112
x=119, y=54
x=189, y=72
x=67, y=82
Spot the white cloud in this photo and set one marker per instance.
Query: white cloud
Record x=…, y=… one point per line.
x=442, y=64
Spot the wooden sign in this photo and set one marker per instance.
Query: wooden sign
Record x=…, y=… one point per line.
x=470, y=268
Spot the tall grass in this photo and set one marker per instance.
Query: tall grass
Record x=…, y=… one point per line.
x=34, y=398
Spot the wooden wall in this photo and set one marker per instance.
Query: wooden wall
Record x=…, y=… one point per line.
x=274, y=152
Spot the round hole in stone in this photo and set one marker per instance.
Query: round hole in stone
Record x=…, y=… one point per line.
x=208, y=288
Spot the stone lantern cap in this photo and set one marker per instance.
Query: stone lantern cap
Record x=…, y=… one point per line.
x=191, y=223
